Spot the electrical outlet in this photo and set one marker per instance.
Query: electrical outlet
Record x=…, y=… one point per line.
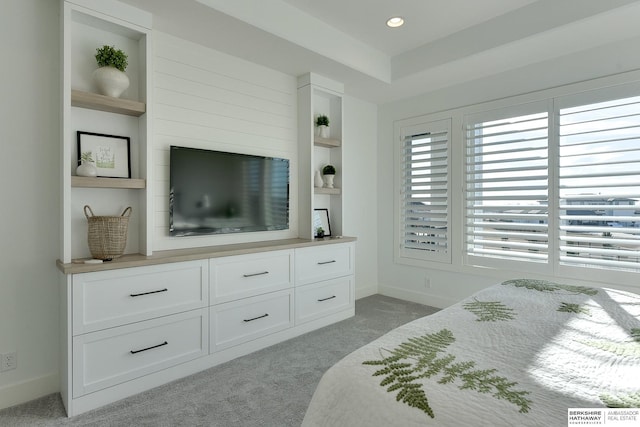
x=8, y=361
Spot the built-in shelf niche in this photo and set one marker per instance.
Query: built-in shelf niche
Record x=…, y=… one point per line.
x=88, y=25
x=318, y=95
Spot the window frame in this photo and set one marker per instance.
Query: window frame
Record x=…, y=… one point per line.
x=574, y=100
x=512, y=111
x=601, y=89
x=403, y=129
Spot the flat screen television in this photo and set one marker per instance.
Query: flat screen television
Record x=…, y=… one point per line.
x=216, y=192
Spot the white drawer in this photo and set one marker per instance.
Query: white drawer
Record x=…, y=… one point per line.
x=244, y=276
x=113, y=356
x=323, y=262
x=111, y=298
x=321, y=299
x=245, y=320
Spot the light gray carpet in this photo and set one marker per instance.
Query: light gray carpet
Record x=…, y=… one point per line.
x=271, y=387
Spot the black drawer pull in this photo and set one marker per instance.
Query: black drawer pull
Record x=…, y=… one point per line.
x=326, y=299
x=327, y=262
x=149, y=293
x=255, y=274
x=149, y=348
x=256, y=318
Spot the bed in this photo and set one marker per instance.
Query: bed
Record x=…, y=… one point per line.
x=519, y=353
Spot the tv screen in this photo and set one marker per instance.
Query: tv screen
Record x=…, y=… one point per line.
x=215, y=192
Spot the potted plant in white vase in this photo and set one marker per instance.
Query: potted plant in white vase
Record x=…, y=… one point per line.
x=322, y=123
x=110, y=77
x=328, y=172
x=87, y=165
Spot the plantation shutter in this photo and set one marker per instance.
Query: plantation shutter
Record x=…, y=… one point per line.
x=599, y=185
x=506, y=192
x=424, y=191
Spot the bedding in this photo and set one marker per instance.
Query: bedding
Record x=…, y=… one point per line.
x=519, y=353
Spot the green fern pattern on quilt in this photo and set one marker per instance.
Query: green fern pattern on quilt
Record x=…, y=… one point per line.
x=625, y=349
x=489, y=311
x=574, y=308
x=546, y=286
x=631, y=400
x=419, y=358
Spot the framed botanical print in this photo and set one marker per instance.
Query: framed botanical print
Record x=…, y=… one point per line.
x=110, y=153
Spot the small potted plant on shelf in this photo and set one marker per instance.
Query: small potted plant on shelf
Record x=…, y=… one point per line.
x=319, y=232
x=110, y=77
x=87, y=165
x=328, y=172
x=322, y=123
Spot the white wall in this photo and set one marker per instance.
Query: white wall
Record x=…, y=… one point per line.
x=360, y=195
x=29, y=215
x=448, y=285
x=207, y=99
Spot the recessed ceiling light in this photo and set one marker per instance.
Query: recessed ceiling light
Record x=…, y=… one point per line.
x=394, y=22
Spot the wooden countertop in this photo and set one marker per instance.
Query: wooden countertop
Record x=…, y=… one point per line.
x=190, y=254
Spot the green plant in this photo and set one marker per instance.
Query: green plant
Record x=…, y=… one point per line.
x=322, y=120
x=109, y=56
x=328, y=170
x=86, y=156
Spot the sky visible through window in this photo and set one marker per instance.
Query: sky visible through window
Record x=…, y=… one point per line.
x=598, y=184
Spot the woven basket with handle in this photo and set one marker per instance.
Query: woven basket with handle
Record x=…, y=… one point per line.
x=107, y=234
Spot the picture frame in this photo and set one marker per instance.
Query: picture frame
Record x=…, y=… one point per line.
x=111, y=153
x=321, y=219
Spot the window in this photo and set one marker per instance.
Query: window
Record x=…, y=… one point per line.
x=599, y=184
x=424, y=191
x=547, y=187
x=507, y=184
x=555, y=183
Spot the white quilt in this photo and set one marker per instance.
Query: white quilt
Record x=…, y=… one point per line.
x=516, y=354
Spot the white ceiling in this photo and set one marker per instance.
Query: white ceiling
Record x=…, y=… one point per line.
x=425, y=21
x=443, y=43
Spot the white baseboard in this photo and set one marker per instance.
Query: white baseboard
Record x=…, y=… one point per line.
x=15, y=394
x=419, y=297
x=366, y=292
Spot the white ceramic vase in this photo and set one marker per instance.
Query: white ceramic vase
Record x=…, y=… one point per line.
x=110, y=81
x=87, y=169
x=323, y=131
x=317, y=179
x=328, y=181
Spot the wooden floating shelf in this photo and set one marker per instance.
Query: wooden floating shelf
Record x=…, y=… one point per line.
x=327, y=142
x=91, y=182
x=109, y=104
x=331, y=191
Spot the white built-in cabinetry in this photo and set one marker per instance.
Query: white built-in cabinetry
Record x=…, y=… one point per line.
x=136, y=324
x=324, y=282
x=151, y=317
x=88, y=25
x=319, y=95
